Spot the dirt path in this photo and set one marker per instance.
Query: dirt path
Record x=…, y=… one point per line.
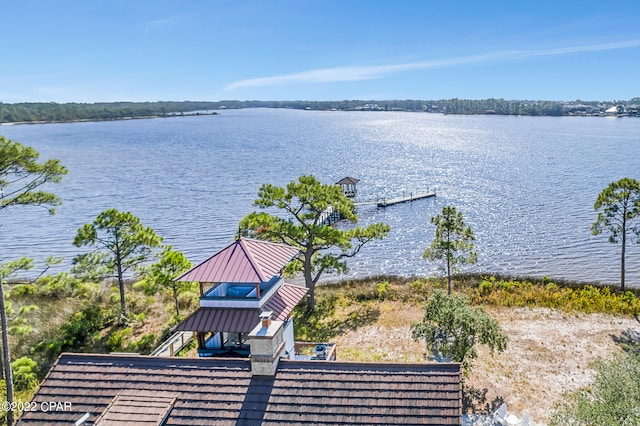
x=549, y=352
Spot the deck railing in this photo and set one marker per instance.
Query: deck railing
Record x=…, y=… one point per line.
x=174, y=344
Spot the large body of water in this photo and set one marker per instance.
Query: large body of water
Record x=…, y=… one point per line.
x=526, y=185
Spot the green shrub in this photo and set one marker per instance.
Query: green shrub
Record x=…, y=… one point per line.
x=25, y=374
x=27, y=289
x=612, y=399
x=81, y=329
x=64, y=285
x=147, y=286
x=116, y=341
x=146, y=343
x=382, y=289
x=485, y=287
x=416, y=286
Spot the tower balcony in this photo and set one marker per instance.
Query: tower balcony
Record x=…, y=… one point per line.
x=240, y=295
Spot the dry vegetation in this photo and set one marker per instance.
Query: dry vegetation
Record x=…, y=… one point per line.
x=552, y=341
x=549, y=353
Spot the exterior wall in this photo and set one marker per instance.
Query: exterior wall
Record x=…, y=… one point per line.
x=229, y=303
x=289, y=339
x=267, y=346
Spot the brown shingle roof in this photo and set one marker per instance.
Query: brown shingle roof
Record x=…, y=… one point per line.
x=348, y=180
x=243, y=261
x=138, y=408
x=222, y=391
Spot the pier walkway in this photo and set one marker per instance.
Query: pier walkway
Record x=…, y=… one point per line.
x=329, y=216
x=384, y=202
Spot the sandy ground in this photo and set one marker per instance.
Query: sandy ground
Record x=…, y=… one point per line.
x=549, y=352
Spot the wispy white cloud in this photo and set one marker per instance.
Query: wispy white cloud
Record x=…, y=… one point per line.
x=355, y=73
x=580, y=49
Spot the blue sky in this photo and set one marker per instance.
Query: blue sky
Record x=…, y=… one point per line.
x=151, y=50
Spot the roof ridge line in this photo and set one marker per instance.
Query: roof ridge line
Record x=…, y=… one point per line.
x=252, y=261
x=205, y=261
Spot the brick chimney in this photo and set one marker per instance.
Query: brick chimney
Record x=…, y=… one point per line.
x=267, y=345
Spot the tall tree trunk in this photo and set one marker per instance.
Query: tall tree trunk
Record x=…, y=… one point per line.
x=175, y=299
x=448, y=275
x=624, y=245
x=6, y=355
x=308, y=280
x=123, y=305
x=449, y=263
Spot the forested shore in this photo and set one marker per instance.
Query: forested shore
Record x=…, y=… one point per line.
x=48, y=112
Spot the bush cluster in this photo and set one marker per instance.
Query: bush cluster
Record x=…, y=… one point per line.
x=548, y=294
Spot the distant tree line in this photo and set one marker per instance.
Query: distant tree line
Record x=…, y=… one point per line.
x=55, y=112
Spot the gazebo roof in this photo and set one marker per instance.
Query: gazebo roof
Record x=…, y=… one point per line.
x=348, y=180
x=243, y=261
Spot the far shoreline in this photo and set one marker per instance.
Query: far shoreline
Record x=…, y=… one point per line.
x=201, y=114
x=52, y=112
x=97, y=120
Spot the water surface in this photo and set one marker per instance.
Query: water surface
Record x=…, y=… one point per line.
x=526, y=185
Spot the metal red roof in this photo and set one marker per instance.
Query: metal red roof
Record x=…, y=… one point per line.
x=243, y=320
x=231, y=320
x=283, y=302
x=243, y=261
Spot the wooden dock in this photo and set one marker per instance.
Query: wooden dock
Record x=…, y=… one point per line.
x=329, y=216
x=405, y=198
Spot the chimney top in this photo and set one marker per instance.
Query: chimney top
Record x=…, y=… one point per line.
x=267, y=345
x=265, y=317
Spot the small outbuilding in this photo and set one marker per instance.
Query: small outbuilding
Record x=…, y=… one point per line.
x=349, y=186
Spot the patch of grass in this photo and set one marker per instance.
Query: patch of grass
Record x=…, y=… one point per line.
x=587, y=298
x=333, y=315
x=486, y=290
x=393, y=303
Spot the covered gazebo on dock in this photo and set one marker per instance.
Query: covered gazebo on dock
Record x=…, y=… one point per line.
x=349, y=186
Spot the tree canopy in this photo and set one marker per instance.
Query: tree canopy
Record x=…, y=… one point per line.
x=121, y=244
x=21, y=176
x=54, y=112
x=453, y=242
x=618, y=207
x=612, y=399
x=162, y=273
x=302, y=206
x=451, y=327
